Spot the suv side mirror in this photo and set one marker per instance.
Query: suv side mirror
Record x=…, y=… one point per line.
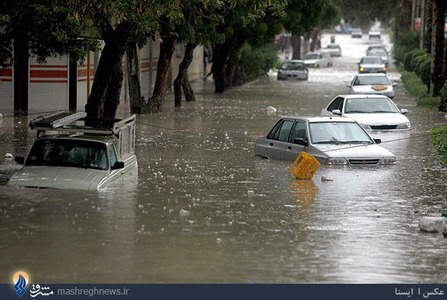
x=118, y=165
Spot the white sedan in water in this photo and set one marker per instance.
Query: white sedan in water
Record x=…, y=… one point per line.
x=331, y=140
x=372, y=83
x=373, y=112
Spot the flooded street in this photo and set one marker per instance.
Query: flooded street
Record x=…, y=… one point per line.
x=204, y=209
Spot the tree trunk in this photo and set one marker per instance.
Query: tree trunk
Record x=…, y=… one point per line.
x=109, y=68
x=182, y=79
x=296, y=46
x=111, y=56
x=155, y=103
x=113, y=93
x=133, y=77
x=187, y=90
x=21, y=72
x=220, y=57
x=233, y=61
x=428, y=23
x=438, y=41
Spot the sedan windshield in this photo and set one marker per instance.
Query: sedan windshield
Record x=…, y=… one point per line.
x=338, y=133
x=312, y=56
x=370, y=105
x=68, y=153
x=372, y=60
x=372, y=80
x=293, y=65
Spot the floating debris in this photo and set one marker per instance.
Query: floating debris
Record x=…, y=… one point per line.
x=184, y=212
x=271, y=110
x=324, y=178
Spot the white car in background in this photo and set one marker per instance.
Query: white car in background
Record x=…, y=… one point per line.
x=372, y=83
x=318, y=59
x=373, y=112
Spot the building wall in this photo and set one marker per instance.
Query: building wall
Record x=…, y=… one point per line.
x=49, y=82
x=6, y=90
x=48, y=85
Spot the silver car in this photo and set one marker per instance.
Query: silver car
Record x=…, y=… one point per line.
x=331, y=140
x=293, y=69
x=372, y=83
x=372, y=64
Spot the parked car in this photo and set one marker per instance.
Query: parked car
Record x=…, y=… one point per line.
x=66, y=155
x=356, y=33
x=372, y=64
x=318, y=59
x=374, y=33
x=333, y=49
x=331, y=140
x=293, y=69
x=373, y=112
x=372, y=83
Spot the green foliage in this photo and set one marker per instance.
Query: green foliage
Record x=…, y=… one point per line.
x=439, y=139
x=422, y=65
x=414, y=84
x=406, y=43
x=257, y=61
x=410, y=58
x=302, y=16
x=417, y=88
x=361, y=13
x=443, y=96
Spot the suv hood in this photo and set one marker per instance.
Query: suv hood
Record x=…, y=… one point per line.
x=57, y=177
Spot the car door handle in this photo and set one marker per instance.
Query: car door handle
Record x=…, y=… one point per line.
x=271, y=144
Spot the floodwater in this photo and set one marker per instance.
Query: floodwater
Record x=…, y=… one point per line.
x=206, y=210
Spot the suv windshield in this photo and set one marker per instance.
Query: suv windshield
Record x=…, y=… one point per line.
x=68, y=153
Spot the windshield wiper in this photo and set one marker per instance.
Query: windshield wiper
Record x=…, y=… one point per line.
x=358, y=142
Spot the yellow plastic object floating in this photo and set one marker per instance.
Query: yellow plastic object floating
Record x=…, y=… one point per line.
x=378, y=87
x=304, y=166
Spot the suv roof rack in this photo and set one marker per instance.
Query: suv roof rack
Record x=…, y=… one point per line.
x=64, y=121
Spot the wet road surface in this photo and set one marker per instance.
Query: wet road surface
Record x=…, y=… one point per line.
x=204, y=209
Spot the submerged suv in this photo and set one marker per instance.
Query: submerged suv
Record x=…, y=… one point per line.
x=67, y=155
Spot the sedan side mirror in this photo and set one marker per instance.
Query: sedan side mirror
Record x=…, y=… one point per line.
x=404, y=111
x=377, y=141
x=301, y=141
x=336, y=112
x=118, y=165
x=20, y=159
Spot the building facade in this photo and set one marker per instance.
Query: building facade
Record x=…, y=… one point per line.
x=59, y=85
